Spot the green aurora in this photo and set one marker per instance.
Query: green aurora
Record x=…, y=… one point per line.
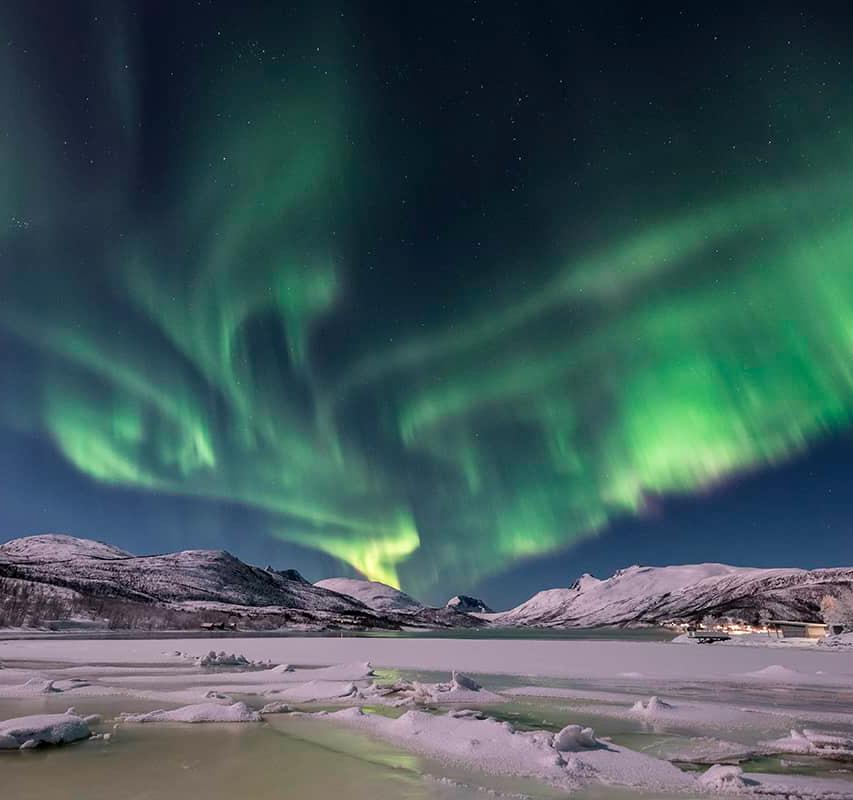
x=181, y=342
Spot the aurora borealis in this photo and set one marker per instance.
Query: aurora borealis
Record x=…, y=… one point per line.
x=430, y=293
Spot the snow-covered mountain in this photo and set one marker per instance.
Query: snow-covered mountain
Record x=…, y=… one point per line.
x=652, y=595
x=58, y=547
x=375, y=595
x=58, y=577
x=188, y=582
x=384, y=599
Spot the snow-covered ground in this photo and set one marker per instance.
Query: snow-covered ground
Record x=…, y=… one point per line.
x=569, y=714
x=545, y=658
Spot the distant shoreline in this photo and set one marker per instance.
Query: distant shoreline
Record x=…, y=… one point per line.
x=651, y=634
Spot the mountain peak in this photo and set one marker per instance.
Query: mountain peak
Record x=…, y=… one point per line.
x=59, y=547
x=467, y=604
x=375, y=595
x=585, y=582
x=289, y=574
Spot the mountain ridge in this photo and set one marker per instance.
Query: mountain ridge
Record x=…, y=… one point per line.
x=83, y=578
x=642, y=595
x=188, y=583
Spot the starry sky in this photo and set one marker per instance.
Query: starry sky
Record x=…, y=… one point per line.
x=460, y=296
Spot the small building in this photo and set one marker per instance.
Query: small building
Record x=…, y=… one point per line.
x=797, y=629
x=708, y=636
x=219, y=626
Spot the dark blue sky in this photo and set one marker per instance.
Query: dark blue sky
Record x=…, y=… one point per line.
x=469, y=297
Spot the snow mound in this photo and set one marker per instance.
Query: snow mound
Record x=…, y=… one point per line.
x=841, y=641
x=460, y=689
x=31, y=731
x=827, y=744
x=574, y=738
x=357, y=670
x=316, y=690
x=223, y=659
x=198, y=712
x=376, y=596
x=724, y=778
x=777, y=673
x=653, y=707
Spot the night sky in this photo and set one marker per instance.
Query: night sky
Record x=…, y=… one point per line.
x=458, y=296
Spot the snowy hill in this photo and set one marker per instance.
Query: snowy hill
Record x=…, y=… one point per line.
x=652, y=595
x=189, y=582
x=384, y=599
x=375, y=595
x=58, y=547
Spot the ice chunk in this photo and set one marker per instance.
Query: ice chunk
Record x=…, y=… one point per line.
x=723, y=777
x=460, y=681
x=42, y=729
x=198, y=712
x=652, y=708
x=223, y=659
x=574, y=738
x=828, y=744
x=214, y=694
x=465, y=713
x=276, y=707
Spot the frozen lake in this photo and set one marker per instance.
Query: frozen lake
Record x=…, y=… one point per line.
x=722, y=704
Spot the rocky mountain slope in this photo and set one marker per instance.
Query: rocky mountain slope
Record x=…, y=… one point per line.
x=188, y=585
x=653, y=595
x=468, y=605
x=64, y=580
